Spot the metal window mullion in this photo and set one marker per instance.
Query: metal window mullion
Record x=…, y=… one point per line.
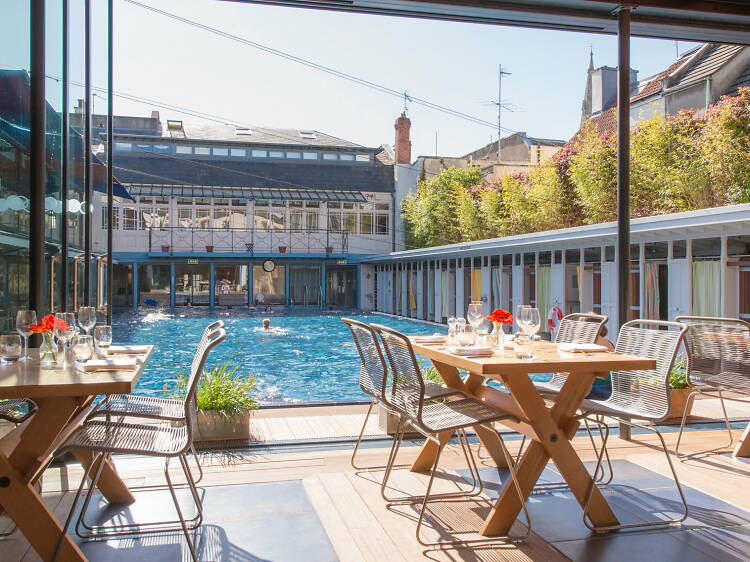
x=87, y=153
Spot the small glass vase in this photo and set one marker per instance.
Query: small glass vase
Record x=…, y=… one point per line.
x=499, y=336
x=48, y=351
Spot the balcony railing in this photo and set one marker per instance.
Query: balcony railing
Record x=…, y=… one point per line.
x=247, y=240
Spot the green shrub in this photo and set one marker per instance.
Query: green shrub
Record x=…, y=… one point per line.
x=222, y=390
x=678, y=374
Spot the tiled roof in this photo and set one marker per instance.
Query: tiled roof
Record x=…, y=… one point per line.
x=653, y=86
x=149, y=168
x=259, y=135
x=743, y=80
x=709, y=62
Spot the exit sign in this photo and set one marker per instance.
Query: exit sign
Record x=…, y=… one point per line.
x=192, y=261
x=341, y=262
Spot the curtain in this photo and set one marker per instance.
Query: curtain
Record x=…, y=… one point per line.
x=398, y=293
x=476, y=284
x=430, y=292
x=444, y=293
x=707, y=288
x=412, y=300
x=651, y=289
x=544, y=293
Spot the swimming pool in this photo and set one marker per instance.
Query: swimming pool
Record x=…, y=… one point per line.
x=306, y=358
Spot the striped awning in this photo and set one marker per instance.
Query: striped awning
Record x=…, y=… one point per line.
x=255, y=193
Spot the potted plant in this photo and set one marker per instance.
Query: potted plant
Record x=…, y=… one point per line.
x=165, y=248
x=224, y=401
x=329, y=249
x=209, y=248
x=282, y=249
x=679, y=389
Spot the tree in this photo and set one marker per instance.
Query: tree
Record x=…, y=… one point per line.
x=593, y=172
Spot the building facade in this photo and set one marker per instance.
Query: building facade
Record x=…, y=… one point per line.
x=235, y=216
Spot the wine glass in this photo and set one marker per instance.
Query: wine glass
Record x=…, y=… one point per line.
x=24, y=320
x=83, y=348
x=521, y=317
x=10, y=347
x=103, y=338
x=533, y=321
x=65, y=328
x=475, y=314
x=87, y=318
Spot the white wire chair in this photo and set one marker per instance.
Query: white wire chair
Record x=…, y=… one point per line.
x=373, y=378
x=642, y=395
x=718, y=359
x=407, y=396
x=105, y=438
x=151, y=407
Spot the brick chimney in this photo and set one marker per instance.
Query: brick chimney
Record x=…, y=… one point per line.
x=403, y=144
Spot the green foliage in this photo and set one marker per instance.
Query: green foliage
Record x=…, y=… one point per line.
x=678, y=163
x=678, y=374
x=223, y=390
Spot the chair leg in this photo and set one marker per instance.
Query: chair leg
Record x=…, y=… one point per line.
x=688, y=402
x=359, y=439
x=185, y=529
x=646, y=524
x=198, y=464
x=492, y=540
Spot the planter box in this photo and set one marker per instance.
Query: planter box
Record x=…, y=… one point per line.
x=215, y=426
x=282, y=249
x=209, y=248
x=165, y=248
x=387, y=421
x=329, y=249
x=678, y=398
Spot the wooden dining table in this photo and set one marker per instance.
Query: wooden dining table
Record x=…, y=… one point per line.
x=551, y=427
x=64, y=397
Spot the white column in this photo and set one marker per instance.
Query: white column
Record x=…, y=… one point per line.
x=689, y=258
x=730, y=282
x=557, y=275
x=420, y=291
x=641, y=280
x=536, y=283
x=487, y=283
x=438, y=280
x=460, y=305
x=518, y=293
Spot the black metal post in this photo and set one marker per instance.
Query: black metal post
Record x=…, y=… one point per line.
x=110, y=151
x=64, y=156
x=87, y=154
x=37, y=153
x=623, y=173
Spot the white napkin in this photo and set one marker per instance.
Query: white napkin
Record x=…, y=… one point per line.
x=128, y=349
x=119, y=364
x=473, y=351
x=582, y=347
x=429, y=339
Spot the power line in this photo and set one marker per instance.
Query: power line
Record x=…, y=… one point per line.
x=327, y=69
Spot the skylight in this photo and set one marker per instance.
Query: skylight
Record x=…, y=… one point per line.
x=243, y=131
x=307, y=134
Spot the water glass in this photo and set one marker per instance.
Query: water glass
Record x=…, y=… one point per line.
x=65, y=329
x=83, y=348
x=467, y=336
x=10, y=347
x=24, y=320
x=521, y=317
x=483, y=330
x=522, y=347
x=474, y=313
x=103, y=338
x=533, y=321
x=86, y=318
x=452, y=327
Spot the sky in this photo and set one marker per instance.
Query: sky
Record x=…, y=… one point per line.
x=450, y=64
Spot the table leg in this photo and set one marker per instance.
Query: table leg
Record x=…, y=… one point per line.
x=554, y=431
x=35, y=520
x=110, y=484
x=743, y=447
x=426, y=457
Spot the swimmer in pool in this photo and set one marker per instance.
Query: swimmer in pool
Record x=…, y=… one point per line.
x=266, y=324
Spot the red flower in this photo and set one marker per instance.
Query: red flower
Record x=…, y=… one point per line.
x=47, y=325
x=500, y=316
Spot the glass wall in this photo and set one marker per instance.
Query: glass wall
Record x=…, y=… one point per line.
x=153, y=285
x=268, y=286
x=122, y=294
x=192, y=285
x=304, y=285
x=230, y=285
x=341, y=286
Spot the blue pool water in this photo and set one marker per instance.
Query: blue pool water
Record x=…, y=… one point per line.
x=302, y=359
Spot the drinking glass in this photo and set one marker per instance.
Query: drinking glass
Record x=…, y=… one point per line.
x=521, y=317
x=460, y=324
x=87, y=318
x=103, y=338
x=24, y=320
x=483, y=329
x=10, y=347
x=452, y=328
x=475, y=314
x=467, y=336
x=83, y=348
x=522, y=347
x=65, y=329
x=533, y=321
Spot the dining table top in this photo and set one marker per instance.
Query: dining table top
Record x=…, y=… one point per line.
x=30, y=379
x=548, y=358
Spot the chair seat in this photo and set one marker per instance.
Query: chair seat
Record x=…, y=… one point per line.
x=635, y=409
x=150, y=440
x=142, y=407
x=433, y=391
x=17, y=410
x=441, y=416
x=547, y=388
x=736, y=382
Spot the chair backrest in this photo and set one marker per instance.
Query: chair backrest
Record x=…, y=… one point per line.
x=646, y=391
x=196, y=371
x=373, y=373
x=577, y=328
x=407, y=387
x=718, y=352
x=215, y=325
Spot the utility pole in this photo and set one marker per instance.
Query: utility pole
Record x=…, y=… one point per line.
x=500, y=75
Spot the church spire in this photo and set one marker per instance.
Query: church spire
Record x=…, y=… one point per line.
x=586, y=106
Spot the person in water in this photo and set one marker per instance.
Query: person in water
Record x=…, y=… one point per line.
x=266, y=324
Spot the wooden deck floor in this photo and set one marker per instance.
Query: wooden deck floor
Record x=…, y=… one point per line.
x=356, y=519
